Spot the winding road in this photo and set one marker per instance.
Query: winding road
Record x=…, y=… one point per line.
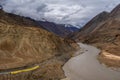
x=87, y=67
x=25, y=68
x=19, y=70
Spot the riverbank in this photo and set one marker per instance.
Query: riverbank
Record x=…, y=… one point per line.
x=87, y=67
x=109, y=59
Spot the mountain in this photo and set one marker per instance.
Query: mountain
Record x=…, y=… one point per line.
x=23, y=43
x=103, y=31
x=71, y=28
x=90, y=27
x=62, y=30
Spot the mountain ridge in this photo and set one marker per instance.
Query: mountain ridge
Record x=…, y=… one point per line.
x=59, y=29
x=23, y=43
x=104, y=33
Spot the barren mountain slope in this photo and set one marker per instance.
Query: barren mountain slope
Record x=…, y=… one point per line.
x=23, y=44
x=91, y=26
x=105, y=35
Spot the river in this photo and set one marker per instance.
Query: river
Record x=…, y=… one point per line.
x=86, y=66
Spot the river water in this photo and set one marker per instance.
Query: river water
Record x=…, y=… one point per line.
x=86, y=66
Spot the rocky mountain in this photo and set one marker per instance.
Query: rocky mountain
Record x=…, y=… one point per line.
x=90, y=27
x=103, y=31
x=23, y=43
x=71, y=28
x=62, y=30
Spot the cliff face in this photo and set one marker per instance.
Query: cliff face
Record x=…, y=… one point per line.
x=104, y=32
x=22, y=43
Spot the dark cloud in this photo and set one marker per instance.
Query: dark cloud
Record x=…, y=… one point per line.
x=75, y=12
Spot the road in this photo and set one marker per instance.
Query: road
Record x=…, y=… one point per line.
x=25, y=68
x=19, y=70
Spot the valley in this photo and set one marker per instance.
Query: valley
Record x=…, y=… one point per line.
x=86, y=66
x=42, y=50
x=103, y=32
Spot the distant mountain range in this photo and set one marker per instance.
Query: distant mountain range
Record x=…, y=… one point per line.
x=62, y=30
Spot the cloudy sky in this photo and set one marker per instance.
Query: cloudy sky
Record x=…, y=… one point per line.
x=75, y=12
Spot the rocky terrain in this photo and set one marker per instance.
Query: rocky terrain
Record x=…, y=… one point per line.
x=22, y=43
x=103, y=31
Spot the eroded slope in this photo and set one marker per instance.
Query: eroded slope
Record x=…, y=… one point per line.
x=22, y=44
x=104, y=32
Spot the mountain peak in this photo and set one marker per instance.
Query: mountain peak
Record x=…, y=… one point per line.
x=116, y=11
